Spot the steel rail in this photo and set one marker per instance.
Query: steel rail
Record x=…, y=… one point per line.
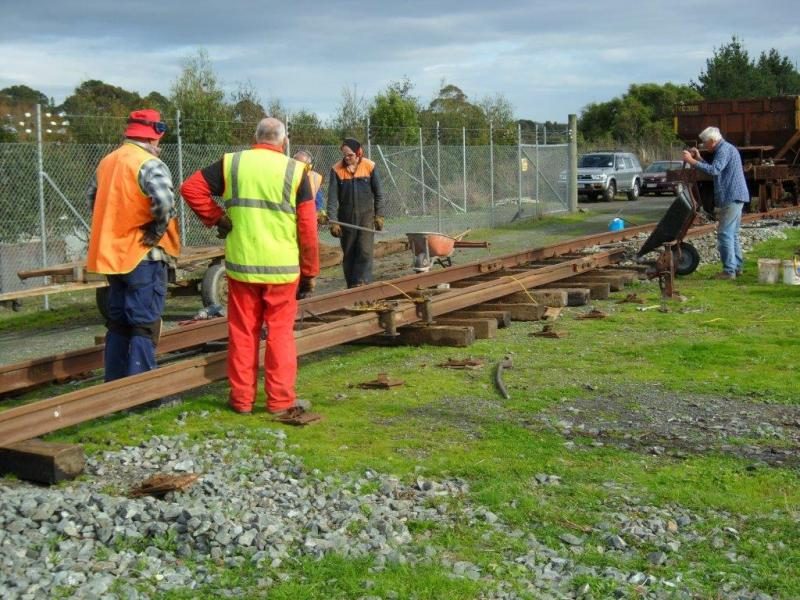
x=17, y=377
x=44, y=416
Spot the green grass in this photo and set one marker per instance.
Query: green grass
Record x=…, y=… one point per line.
x=733, y=340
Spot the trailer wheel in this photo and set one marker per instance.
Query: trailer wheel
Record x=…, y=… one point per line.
x=214, y=289
x=689, y=259
x=101, y=298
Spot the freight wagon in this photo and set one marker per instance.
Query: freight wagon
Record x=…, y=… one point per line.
x=767, y=133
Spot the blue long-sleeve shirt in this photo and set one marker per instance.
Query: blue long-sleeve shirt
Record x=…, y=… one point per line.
x=726, y=169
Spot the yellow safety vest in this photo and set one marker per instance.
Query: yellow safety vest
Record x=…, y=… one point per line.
x=261, y=200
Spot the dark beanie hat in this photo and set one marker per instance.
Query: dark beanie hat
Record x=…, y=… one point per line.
x=352, y=143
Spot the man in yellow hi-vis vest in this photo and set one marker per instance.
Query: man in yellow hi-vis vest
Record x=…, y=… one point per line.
x=271, y=257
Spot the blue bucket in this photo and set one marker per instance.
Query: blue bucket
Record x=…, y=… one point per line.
x=616, y=225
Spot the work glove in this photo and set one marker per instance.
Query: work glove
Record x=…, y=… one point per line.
x=322, y=218
x=378, y=223
x=336, y=230
x=224, y=226
x=306, y=286
x=150, y=237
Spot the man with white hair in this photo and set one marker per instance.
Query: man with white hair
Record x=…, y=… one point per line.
x=730, y=195
x=271, y=258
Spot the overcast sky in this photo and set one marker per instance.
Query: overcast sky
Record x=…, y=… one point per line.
x=548, y=59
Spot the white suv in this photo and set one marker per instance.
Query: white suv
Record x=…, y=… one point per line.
x=605, y=174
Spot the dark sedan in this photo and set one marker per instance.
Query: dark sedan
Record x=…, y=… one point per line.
x=654, y=178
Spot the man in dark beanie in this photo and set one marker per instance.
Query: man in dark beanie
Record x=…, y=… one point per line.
x=355, y=197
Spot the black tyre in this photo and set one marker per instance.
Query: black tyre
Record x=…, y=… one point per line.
x=214, y=289
x=101, y=296
x=611, y=191
x=688, y=261
x=633, y=193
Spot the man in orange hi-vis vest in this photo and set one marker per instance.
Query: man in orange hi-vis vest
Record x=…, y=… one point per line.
x=315, y=180
x=133, y=241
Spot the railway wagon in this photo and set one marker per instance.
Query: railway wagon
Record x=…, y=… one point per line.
x=767, y=133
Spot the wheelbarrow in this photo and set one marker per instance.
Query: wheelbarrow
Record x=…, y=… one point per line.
x=429, y=248
x=677, y=257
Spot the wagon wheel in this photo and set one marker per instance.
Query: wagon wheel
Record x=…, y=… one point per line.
x=214, y=289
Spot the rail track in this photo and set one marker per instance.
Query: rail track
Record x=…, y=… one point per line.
x=323, y=322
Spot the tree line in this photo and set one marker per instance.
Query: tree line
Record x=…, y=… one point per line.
x=645, y=111
x=95, y=111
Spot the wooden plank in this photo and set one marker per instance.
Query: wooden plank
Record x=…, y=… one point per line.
x=576, y=296
x=42, y=462
x=615, y=283
x=502, y=317
x=519, y=311
x=51, y=289
x=419, y=335
x=484, y=328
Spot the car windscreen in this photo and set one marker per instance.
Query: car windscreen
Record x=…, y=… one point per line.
x=660, y=167
x=596, y=161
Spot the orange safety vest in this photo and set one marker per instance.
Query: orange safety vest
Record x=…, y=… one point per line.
x=121, y=208
x=315, y=179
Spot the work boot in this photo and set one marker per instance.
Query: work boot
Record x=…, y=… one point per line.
x=725, y=275
x=298, y=406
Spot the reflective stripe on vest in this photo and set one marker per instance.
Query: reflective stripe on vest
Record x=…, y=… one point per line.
x=261, y=198
x=121, y=208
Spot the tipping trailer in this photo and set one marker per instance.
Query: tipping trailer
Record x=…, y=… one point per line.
x=767, y=133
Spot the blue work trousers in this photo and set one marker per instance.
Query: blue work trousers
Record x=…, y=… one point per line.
x=136, y=301
x=730, y=250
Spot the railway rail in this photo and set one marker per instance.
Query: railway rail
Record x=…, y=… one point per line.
x=326, y=321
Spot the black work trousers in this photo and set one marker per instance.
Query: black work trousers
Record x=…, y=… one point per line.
x=357, y=247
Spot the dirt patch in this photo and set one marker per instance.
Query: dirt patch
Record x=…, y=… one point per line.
x=656, y=421
x=468, y=415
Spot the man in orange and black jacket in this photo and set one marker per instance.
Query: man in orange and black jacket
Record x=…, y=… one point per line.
x=355, y=196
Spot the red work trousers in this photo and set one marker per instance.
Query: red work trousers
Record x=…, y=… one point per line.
x=250, y=306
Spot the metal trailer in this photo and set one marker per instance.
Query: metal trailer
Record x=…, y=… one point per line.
x=767, y=133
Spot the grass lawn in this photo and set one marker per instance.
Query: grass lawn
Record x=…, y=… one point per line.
x=731, y=342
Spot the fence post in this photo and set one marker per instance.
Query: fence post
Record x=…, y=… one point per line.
x=572, y=176
x=491, y=174
x=519, y=167
x=536, y=184
x=544, y=127
x=182, y=208
x=369, y=139
x=422, y=172
x=438, y=178
x=40, y=185
x=464, y=163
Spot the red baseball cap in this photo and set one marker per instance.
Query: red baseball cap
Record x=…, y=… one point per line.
x=145, y=124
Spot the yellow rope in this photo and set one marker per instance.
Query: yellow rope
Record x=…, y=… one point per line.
x=524, y=289
x=399, y=290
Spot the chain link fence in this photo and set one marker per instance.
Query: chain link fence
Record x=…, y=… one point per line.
x=430, y=187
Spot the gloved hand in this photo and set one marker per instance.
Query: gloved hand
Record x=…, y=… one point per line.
x=336, y=230
x=150, y=238
x=322, y=218
x=224, y=226
x=305, y=287
x=378, y=223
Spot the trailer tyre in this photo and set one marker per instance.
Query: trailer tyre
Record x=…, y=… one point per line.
x=101, y=298
x=214, y=289
x=689, y=259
